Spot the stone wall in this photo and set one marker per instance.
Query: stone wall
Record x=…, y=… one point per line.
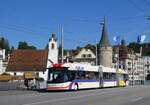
x=105, y=56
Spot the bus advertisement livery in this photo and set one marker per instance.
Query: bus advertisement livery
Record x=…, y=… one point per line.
x=74, y=76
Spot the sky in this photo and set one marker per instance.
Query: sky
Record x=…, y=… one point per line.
x=34, y=21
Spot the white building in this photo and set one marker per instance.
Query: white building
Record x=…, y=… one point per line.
x=134, y=64
x=147, y=67
x=52, y=55
x=131, y=62
x=2, y=58
x=85, y=55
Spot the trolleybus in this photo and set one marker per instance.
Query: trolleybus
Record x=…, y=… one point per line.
x=74, y=76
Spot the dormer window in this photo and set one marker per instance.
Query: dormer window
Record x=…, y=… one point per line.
x=89, y=55
x=83, y=55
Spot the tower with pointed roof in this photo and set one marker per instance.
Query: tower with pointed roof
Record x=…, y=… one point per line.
x=105, y=48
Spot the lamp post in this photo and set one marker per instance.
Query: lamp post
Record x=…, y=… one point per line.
x=132, y=73
x=117, y=39
x=133, y=69
x=144, y=72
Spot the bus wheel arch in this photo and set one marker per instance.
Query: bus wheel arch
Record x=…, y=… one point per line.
x=75, y=86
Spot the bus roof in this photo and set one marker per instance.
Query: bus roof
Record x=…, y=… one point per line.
x=88, y=67
x=78, y=66
x=121, y=71
x=108, y=69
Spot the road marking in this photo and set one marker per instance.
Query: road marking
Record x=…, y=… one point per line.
x=64, y=99
x=137, y=99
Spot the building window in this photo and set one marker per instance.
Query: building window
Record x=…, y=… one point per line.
x=129, y=63
x=89, y=55
x=83, y=55
x=129, y=68
x=52, y=47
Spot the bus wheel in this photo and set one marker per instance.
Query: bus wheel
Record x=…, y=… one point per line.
x=75, y=87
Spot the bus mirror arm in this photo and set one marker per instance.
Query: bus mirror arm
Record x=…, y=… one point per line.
x=51, y=61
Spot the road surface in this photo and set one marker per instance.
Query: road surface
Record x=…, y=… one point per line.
x=137, y=95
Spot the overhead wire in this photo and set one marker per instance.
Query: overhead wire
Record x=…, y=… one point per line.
x=135, y=5
x=147, y=2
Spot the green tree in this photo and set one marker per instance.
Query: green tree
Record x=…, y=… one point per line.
x=135, y=46
x=4, y=44
x=12, y=48
x=24, y=45
x=46, y=47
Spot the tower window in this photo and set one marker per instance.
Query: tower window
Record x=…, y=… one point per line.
x=52, y=47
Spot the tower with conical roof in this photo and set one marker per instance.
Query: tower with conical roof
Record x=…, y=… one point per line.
x=105, y=48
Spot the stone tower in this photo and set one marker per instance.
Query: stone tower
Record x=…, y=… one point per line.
x=105, y=48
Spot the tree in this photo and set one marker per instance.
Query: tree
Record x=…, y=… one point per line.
x=12, y=48
x=24, y=45
x=46, y=47
x=4, y=44
x=135, y=46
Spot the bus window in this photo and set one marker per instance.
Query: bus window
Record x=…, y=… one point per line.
x=96, y=75
x=72, y=75
x=91, y=75
x=57, y=76
x=113, y=76
x=105, y=76
x=125, y=76
x=109, y=76
x=83, y=75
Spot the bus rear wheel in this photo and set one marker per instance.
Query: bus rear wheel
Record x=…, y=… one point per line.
x=75, y=88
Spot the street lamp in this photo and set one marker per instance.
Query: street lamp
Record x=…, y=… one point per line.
x=133, y=58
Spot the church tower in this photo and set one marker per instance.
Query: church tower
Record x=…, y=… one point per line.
x=52, y=55
x=53, y=49
x=105, y=48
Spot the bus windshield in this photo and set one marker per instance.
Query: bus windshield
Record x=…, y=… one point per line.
x=56, y=75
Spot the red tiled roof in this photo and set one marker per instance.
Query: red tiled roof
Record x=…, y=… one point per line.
x=28, y=60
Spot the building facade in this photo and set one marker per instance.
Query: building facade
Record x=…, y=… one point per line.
x=3, y=61
x=31, y=63
x=85, y=55
x=147, y=67
x=132, y=62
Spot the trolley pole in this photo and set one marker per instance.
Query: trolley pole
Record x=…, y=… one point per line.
x=62, y=45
